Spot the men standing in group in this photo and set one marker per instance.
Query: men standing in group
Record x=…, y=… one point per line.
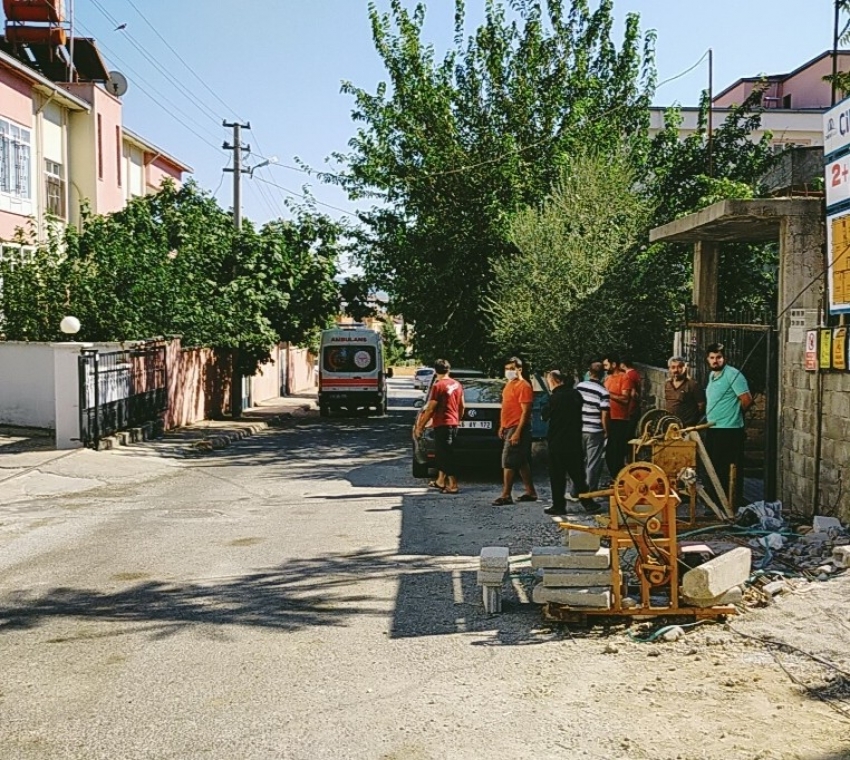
x=683, y=397
x=621, y=390
x=564, y=439
x=445, y=408
x=515, y=431
x=727, y=397
x=595, y=412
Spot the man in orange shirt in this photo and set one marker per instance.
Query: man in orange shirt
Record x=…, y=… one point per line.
x=621, y=388
x=515, y=431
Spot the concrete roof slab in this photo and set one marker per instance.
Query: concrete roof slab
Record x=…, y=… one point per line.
x=739, y=221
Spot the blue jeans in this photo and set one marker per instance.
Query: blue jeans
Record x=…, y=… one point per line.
x=594, y=454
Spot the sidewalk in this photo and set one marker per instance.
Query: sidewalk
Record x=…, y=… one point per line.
x=210, y=435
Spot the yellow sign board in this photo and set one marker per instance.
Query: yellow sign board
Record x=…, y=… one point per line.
x=839, y=348
x=826, y=349
x=838, y=247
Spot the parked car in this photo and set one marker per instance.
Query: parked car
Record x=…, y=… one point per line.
x=478, y=439
x=422, y=378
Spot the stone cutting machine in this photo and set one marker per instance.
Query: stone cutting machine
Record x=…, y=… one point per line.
x=642, y=522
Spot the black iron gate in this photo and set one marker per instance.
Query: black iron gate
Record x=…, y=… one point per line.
x=750, y=344
x=120, y=389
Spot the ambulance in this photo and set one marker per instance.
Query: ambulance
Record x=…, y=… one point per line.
x=352, y=374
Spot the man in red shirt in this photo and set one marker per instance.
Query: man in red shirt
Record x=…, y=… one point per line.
x=619, y=385
x=634, y=376
x=445, y=409
x=515, y=431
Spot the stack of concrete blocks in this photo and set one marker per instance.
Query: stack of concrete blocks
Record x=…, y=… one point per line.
x=718, y=581
x=577, y=574
x=492, y=570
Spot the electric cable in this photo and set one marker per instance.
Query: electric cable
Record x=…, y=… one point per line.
x=308, y=198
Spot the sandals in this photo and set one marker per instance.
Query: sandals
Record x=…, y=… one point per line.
x=451, y=492
x=528, y=497
x=435, y=484
x=502, y=501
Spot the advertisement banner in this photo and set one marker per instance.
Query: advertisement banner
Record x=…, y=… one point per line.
x=826, y=348
x=839, y=348
x=812, y=351
x=838, y=261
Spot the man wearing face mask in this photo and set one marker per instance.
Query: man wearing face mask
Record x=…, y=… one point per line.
x=515, y=431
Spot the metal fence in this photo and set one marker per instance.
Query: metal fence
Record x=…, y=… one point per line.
x=121, y=389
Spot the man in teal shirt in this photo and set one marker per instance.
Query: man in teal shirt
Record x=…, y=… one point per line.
x=727, y=397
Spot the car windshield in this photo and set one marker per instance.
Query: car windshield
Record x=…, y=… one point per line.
x=482, y=391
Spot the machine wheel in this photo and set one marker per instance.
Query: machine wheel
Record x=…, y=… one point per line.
x=642, y=489
x=420, y=470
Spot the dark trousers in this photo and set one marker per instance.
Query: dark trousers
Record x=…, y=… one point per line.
x=617, y=447
x=563, y=461
x=444, y=449
x=725, y=447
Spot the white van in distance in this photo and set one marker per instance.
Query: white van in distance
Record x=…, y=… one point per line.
x=352, y=374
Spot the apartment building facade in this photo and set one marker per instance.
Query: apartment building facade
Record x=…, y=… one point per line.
x=794, y=103
x=64, y=144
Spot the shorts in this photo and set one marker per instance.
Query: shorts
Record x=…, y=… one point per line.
x=444, y=449
x=514, y=457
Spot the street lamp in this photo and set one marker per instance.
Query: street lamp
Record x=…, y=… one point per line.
x=69, y=325
x=270, y=160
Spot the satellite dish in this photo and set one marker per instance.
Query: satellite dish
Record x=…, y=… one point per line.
x=116, y=84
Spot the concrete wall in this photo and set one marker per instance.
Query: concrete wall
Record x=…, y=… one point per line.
x=198, y=385
x=16, y=107
x=27, y=385
x=266, y=383
x=301, y=375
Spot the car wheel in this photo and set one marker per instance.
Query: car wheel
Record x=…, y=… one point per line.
x=420, y=470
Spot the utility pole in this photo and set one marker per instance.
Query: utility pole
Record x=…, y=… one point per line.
x=238, y=171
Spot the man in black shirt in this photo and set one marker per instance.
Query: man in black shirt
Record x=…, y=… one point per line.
x=566, y=452
x=683, y=396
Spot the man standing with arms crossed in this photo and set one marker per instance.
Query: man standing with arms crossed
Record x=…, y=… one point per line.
x=683, y=398
x=446, y=408
x=515, y=431
x=727, y=397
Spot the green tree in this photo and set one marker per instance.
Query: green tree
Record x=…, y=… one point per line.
x=172, y=263
x=451, y=148
x=566, y=250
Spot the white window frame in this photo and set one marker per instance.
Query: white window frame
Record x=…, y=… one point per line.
x=15, y=161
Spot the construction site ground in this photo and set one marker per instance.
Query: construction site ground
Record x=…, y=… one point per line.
x=298, y=595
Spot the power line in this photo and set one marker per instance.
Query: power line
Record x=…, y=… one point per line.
x=182, y=60
x=188, y=94
x=308, y=198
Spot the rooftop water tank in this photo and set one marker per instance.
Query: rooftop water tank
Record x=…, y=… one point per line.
x=38, y=11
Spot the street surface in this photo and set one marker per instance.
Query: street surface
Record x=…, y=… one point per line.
x=300, y=596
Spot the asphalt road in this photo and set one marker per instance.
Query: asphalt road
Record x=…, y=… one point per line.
x=298, y=595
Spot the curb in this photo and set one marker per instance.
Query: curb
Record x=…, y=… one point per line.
x=223, y=438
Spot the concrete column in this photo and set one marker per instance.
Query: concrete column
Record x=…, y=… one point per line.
x=706, y=264
x=801, y=264
x=66, y=393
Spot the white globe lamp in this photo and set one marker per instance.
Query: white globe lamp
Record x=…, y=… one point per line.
x=69, y=325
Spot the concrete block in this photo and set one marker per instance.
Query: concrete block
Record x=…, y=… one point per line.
x=562, y=557
x=555, y=578
x=579, y=541
x=123, y=437
x=492, y=596
x=488, y=578
x=821, y=523
x=841, y=556
x=494, y=558
x=596, y=596
x=732, y=596
x=717, y=576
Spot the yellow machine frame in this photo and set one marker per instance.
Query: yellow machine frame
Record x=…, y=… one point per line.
x=641, y=516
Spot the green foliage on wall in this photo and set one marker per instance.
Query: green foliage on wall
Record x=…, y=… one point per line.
x=172, y=263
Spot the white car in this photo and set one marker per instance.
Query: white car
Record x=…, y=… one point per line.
x=422, y=378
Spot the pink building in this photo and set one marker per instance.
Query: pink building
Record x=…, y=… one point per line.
x=802, y=89
x=64, y=143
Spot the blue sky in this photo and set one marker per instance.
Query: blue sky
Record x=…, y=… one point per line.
x=279, y=65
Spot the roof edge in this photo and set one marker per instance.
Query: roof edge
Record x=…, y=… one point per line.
x=38, y=80
x=150, y=147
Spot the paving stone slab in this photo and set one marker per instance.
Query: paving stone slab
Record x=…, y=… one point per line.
x=596, y=597
x=562, y=557
x=494, y=578
x=715, y=577
x=575, y=578
x=494, y=558
x=579, y=541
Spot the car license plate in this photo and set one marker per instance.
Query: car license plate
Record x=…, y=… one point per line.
x=478, y=424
